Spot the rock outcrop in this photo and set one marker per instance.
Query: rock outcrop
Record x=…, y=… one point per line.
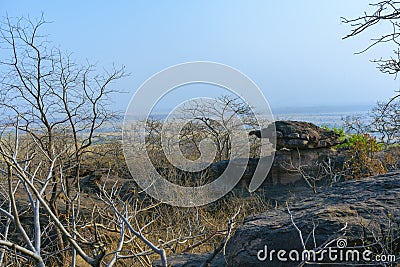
x=288, y=166
x=360, y=213
x=92, y=182
x=367, y=208
x=300, y=135
x=302, y=148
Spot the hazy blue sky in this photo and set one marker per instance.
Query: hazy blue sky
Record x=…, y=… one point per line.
x=292, y=49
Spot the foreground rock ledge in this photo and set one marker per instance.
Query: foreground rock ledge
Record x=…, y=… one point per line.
x=366, y=205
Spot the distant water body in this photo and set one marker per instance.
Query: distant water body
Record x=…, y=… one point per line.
x=331, y=116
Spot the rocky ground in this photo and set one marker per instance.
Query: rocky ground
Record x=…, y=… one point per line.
x=364, y=212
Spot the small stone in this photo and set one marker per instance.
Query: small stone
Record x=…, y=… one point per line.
x=298, y=143
x=322, y=143
x=278, y=134
x=305, y=136
x=293, y=136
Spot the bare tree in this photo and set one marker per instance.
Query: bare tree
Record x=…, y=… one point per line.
x=51, y=109
x=123, y=218
x=324, y=171
x=385, y=116
x=356, y=124
x=211, y=119
x=383, y=121
x=388, y=12
x=386, y=121
x=202, y=119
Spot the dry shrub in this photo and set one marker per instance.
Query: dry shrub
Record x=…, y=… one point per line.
x=362, y=158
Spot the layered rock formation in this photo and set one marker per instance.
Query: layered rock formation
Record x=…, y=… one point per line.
x=289, y=166
x=300, y=135
x=302, y=149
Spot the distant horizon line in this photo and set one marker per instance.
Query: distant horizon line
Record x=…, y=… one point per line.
x=316, y=108
x=361, y=106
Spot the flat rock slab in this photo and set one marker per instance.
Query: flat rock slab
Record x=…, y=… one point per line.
x=365, y=206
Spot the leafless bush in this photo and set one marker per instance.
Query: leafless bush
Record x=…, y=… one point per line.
x=386, y=121
x=51, y=110
x=212, y=120
x=380, y=236
x=326, y=171
x=383, y=121
x=357, y=124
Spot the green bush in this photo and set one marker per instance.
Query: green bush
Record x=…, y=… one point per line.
x=354, y=140
x=340, y=131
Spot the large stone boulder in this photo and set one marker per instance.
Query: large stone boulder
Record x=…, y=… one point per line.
x=290, y=165
x=300, y=135
x=361, y=212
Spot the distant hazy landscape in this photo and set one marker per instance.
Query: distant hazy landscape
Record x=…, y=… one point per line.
x=331, y=116
x=140, y=133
